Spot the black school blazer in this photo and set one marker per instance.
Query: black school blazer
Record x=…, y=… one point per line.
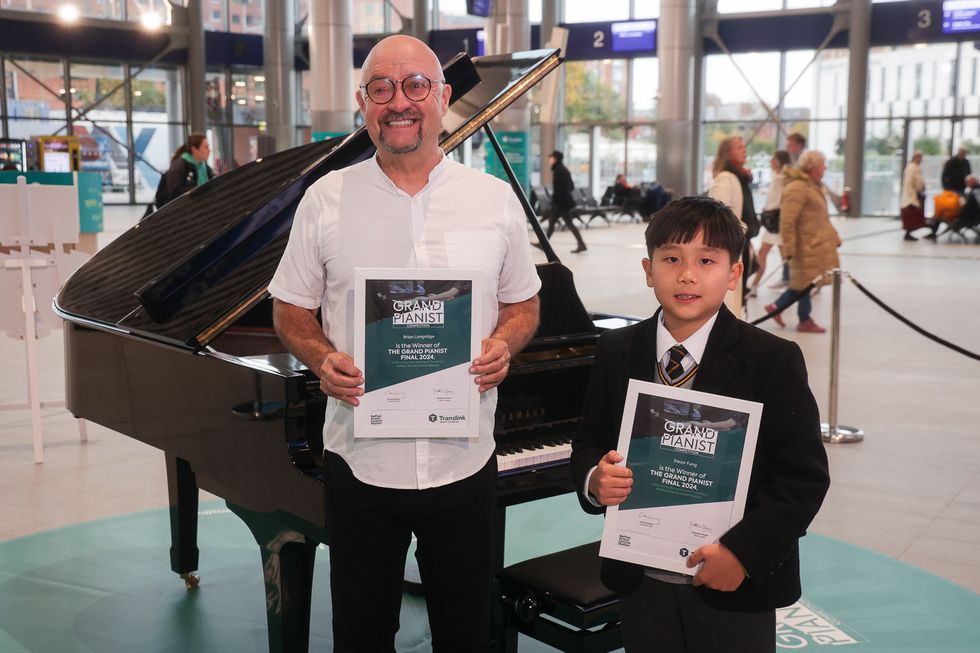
x=789, y=474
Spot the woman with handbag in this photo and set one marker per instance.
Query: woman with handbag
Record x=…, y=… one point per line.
x=770, y=217
x=731, y=185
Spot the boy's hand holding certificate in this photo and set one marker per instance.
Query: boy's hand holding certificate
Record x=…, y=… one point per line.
x=691, y=456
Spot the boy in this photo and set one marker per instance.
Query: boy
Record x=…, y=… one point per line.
x=694, y=247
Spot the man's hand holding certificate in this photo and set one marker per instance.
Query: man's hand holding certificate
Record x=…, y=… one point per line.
x=689, y=457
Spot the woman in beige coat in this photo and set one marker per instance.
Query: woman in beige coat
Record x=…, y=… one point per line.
x=810, y=242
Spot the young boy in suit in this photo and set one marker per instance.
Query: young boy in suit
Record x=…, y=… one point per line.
x=693, y=341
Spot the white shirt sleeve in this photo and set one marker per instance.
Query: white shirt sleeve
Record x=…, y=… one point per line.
x=585, y=490
x=300, y=278
x=518, y=279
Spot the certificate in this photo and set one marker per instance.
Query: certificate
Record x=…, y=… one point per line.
x=416, y=334
x=691, y=455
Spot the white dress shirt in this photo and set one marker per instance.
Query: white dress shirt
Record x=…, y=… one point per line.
x=694, y=345
x=357, y=217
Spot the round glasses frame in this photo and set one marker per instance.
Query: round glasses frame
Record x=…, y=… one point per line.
x=381, y=87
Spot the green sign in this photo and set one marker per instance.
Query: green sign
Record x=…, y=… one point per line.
x=325, y=136
x=516, y=146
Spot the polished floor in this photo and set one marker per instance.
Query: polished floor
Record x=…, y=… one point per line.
x=910, y=490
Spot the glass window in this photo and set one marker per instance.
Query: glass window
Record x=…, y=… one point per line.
x=646, y=87
x=611, y=151
x=35, y=89
x=104, y=151
x=136, y=9
x=452, y=15
x=247, y=16
x=578, y=152
x=154, y=145
x=216, y=97
x=100, y=88
x=883, y=163
x=219, y=138
x=729, y=97
x=303, y=97
x=247, y=99
x=595, y=91
x=27, y=128
x=246, y=145
x=368, y=17
x=587, y=11
x=158, y=92
x=641, y=154
x=214, y=15
x=810, y=96
x=646, y=8
x=737, y=6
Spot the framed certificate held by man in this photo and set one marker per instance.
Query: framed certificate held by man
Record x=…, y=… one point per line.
x=416, y=334
x=691, y=454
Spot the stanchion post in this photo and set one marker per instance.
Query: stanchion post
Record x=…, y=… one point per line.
x=832, y=431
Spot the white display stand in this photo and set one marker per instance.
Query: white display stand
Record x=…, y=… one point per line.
x=39, y=227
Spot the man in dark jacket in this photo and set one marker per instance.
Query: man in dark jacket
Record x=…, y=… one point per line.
x=562, y=201
x=955, y=172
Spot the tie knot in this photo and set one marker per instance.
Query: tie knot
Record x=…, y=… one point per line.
x=675, y=369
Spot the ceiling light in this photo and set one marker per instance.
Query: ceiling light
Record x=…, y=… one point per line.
x=259, y=78
x=151, y=21
x=138, y=93
x=68, y=13
x=260, y=98
x=239, y=83
x=242, y=101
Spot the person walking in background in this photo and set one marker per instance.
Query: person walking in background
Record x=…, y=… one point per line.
x=955, y=172
x=795, y=144
x=913, y=196
x=188, y=169
x=562, y=201
x=810, y=242
x=731, y=186
x=780, y=160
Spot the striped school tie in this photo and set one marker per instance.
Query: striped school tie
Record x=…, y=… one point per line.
x=674, y=373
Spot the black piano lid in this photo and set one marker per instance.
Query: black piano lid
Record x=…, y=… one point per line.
x=188, y=271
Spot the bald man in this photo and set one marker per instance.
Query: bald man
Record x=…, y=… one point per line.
x=408, y=207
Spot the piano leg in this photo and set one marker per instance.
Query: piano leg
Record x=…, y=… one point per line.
x=501, y=639
x=287, y=566
x=182, y=487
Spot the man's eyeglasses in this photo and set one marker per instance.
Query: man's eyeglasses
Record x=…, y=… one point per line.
x=415, y=87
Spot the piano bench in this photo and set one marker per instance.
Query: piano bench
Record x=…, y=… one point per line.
x=559, y=600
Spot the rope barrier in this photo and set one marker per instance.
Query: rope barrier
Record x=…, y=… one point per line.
x=895, y=314
x=795, y=299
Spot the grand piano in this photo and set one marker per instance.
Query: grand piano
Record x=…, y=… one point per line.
x=169, y=340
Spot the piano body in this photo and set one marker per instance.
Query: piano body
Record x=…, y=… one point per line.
x=169, y=340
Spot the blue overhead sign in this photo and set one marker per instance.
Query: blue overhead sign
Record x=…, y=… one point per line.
x=961, y=16
x=619, y=40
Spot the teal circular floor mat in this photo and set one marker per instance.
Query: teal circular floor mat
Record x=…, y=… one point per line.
x=106, y=587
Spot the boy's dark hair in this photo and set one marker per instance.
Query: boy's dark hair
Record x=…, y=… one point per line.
x=681, y=220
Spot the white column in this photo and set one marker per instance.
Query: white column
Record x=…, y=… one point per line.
x=280, y=75
x=332, y=83
x=676, y=47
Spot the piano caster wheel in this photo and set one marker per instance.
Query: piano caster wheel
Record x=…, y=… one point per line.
x=191, y=580
x=527, y=607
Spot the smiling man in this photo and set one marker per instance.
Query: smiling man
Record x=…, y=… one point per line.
x=408, y=207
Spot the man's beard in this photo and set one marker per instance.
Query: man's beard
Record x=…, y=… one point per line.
x=391, y=148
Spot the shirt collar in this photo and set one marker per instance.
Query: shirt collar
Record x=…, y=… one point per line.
x=438, y=171
x=694, y=344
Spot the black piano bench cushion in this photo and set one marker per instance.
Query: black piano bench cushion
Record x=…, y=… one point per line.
x=570, y=576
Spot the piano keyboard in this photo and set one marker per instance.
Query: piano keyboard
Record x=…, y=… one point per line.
x=519, y=455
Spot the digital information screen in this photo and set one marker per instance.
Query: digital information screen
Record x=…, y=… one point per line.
x=479, y=7
x=961, y=16
x=635, y=36
x=57, y=161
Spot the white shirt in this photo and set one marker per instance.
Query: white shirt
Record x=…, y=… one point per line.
x=357, y=217
x=694, y=345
